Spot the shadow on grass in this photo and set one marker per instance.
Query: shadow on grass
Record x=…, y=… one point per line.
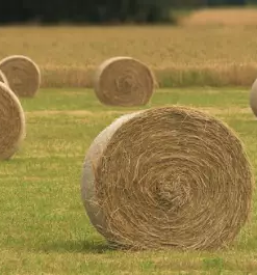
x=77, y=246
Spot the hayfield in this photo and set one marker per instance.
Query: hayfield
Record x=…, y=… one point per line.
x=44, y=229
x=180, y=56
x=221, y=17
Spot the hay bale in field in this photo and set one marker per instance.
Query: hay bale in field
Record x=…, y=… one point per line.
x=124, y=81
x=3, y=78
x=167, y=177
x=12, y=122
x=23, y=75
x=253, y=98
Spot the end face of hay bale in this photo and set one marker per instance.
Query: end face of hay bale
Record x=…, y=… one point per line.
x=12, y=123
x=167, y=177
x=124, y=81
x=253, y=98
x=3, y=78
x=23, y=75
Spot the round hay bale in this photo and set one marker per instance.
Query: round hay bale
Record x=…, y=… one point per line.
x=253, y=98
x=3, y=78
x=12, y=122
x=23, y=75
x=124, y=81
x=167, y=177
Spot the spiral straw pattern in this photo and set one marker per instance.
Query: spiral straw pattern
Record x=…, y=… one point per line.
x=23, y=75
x=12, y=123
x=124, y=81
x=167, y=177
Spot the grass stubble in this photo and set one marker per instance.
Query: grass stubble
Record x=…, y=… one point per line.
x=43, y=227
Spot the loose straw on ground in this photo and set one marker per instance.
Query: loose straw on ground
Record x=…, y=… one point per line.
x=124, y=81
x=3, y=78
x=23, y=75
x=167, y=177
x=12, y=123
x=253, y=98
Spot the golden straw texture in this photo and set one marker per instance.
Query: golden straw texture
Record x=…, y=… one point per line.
x=167, y=177
x=253, y=98
x=12, y=123
x=23, y=75
x=3, y=78
x=124, y=81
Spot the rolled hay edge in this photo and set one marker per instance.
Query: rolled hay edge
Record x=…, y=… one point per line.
x=93, y=155
x=3, y=78
x=10, y=149
x=108, y=218
x=253, y=98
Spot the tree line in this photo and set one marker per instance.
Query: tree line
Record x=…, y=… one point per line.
x=99, y=11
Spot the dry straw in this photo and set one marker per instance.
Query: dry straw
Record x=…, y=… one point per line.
x=167, y=177
x=23, y=75
x=253, y=98
x=3, y=78
x=12, y=123
x=124, y=81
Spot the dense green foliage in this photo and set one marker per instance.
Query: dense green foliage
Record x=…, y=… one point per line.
x=99, y=11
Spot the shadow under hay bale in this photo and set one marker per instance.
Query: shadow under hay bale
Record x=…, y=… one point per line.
x=253, y=98
x=12, y=123
x=167, y=177
x=124, y=81
x=23, y=75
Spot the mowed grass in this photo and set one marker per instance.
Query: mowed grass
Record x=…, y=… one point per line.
x=179, y=55
x=44, y=228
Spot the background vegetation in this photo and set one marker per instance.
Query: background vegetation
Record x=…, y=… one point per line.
x=101, y=11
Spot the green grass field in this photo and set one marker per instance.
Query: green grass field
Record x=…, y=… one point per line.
x=44, y=229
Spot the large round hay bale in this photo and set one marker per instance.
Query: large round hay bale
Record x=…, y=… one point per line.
x=253, y=98
x=23, y=75
x=124, y=81
x=12, y=123
x=3, y=78
x=167, y=177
